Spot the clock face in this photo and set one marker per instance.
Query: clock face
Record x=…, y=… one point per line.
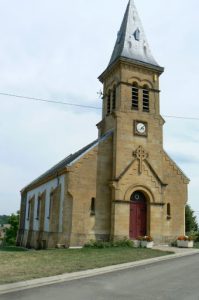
x=141, y=128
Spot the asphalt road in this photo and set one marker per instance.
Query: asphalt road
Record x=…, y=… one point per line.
x=173, y=279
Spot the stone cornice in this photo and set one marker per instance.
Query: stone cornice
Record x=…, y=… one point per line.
x=121, y=201
x=129, y=202
x=157, y=203
x=123, y=60
x=140, y=87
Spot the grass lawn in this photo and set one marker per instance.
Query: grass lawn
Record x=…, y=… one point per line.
x=24, y=265
x=12, y=249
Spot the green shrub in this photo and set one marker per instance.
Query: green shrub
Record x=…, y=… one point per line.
x=104, y=244
x=197, y=237
x=174, y=243
x=123, y=243
x=194, y=235
x=97, y=244
x=11, y=233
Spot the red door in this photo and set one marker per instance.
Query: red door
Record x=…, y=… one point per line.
x=138, y=219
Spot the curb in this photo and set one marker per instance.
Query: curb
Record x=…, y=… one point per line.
x=23, y=285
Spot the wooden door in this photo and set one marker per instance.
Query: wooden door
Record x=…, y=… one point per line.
x=138, y=219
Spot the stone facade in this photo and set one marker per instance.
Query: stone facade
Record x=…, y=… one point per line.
x=97, y=192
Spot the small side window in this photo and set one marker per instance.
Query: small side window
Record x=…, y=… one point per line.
x=168, y=211
x=92, y=206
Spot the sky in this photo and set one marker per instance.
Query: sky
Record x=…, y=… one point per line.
x=56, y=49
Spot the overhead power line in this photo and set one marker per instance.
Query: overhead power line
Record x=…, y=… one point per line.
x=181, y=117
x=48, y=100
x=81, y=105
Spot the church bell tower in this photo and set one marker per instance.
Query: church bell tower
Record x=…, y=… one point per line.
x=131, y=92
x=131, y=111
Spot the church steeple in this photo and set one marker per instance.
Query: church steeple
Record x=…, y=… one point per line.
x=131, y=80
x=131, y=41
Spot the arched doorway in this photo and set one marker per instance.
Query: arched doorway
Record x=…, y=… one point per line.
x=138, y=215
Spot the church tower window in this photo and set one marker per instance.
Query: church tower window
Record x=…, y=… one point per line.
x=135, y=93
x=114, y=98
x=109, y=103
x=145, y=98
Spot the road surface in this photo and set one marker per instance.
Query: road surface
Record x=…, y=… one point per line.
x=173, y=279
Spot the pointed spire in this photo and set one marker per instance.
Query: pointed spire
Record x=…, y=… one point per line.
x=131, y=40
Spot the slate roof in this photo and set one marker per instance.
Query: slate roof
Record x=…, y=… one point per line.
x=131, y=41
x=68, y=161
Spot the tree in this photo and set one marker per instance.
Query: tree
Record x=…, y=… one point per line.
x=11, y=233
x=190, y=220
x=4, y=219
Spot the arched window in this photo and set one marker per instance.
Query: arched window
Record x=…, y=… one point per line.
x=145, y=98
x=109, y=103
x=168, y=211
x=114, y=98
x=135, y=92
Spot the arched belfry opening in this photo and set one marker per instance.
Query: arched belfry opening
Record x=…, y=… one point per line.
x=138, y=215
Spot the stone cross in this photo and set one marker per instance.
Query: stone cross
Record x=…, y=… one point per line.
x=141, y=155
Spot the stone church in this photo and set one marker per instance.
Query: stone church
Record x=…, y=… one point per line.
x=123, y=184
